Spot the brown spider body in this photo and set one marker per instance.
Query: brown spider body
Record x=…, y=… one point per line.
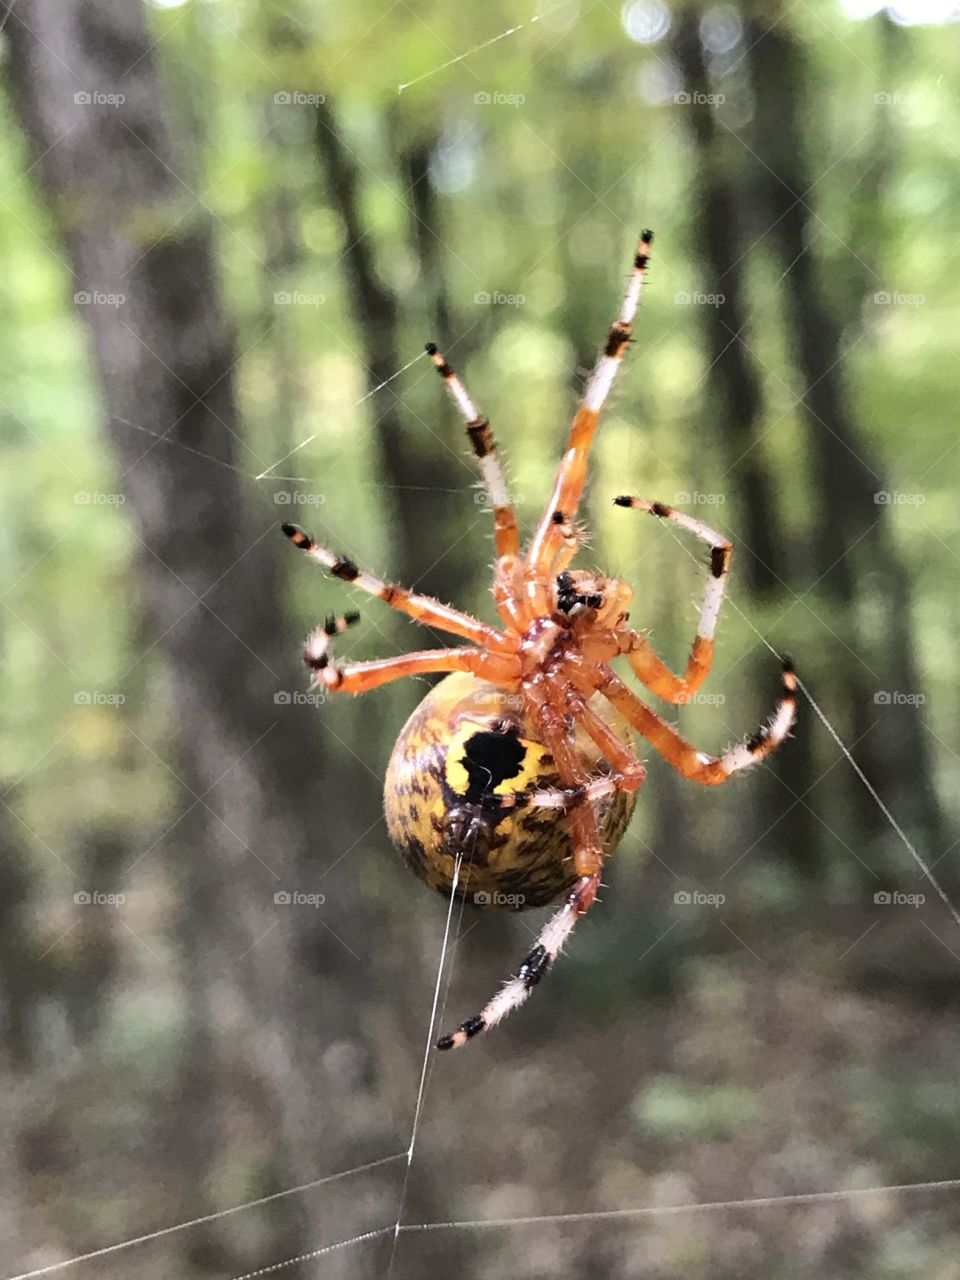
x=460, y=781
x=516, y=776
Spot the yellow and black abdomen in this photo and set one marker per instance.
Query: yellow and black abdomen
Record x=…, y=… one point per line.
x=455, y=785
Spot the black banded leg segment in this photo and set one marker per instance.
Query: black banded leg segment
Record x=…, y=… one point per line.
x=506, y=531
x=649, y=667
x=422, y=608
x=532, y=968
x=318, y=650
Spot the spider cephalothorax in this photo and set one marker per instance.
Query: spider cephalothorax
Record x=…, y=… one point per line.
x=515, y=777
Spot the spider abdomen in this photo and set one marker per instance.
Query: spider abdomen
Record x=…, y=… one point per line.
x=459, y=782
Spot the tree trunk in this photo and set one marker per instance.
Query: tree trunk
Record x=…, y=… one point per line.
x=851, y=541
x=253, y=811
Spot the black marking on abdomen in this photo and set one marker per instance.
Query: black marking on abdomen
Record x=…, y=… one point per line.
x=489, y=759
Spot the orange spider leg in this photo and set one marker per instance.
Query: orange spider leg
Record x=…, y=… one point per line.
x=572, y=474
x=588, y=861
x=679, y=753
x=506, y=533
x=422, y=608
x=359, y=677
x=619, y=753
x=650, y=668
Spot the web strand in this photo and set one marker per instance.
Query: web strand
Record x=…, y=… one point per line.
x=427, y=1053
x=794, y=1199
x=148, y=1236
x=266, y=473
x=310, y=439
x=477, y=48
x=849, y=757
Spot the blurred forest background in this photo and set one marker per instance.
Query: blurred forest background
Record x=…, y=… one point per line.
x=223, y=228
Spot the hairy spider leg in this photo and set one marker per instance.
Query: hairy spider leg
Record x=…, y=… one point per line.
x=649, y=667
x=506, y=533
x=422, y=608
x=679, y=753
x=548, y=540
x=588, y=862
x=360, y=677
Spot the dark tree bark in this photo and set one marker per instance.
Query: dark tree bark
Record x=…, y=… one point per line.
x=735, y=391
x=735, y=413
x=851, y=537
x=376, y=309
x=205, y=557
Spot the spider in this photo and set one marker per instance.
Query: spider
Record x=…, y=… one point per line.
x=516, y=775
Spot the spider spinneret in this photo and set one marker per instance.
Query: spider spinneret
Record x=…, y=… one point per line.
x=515, y=777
